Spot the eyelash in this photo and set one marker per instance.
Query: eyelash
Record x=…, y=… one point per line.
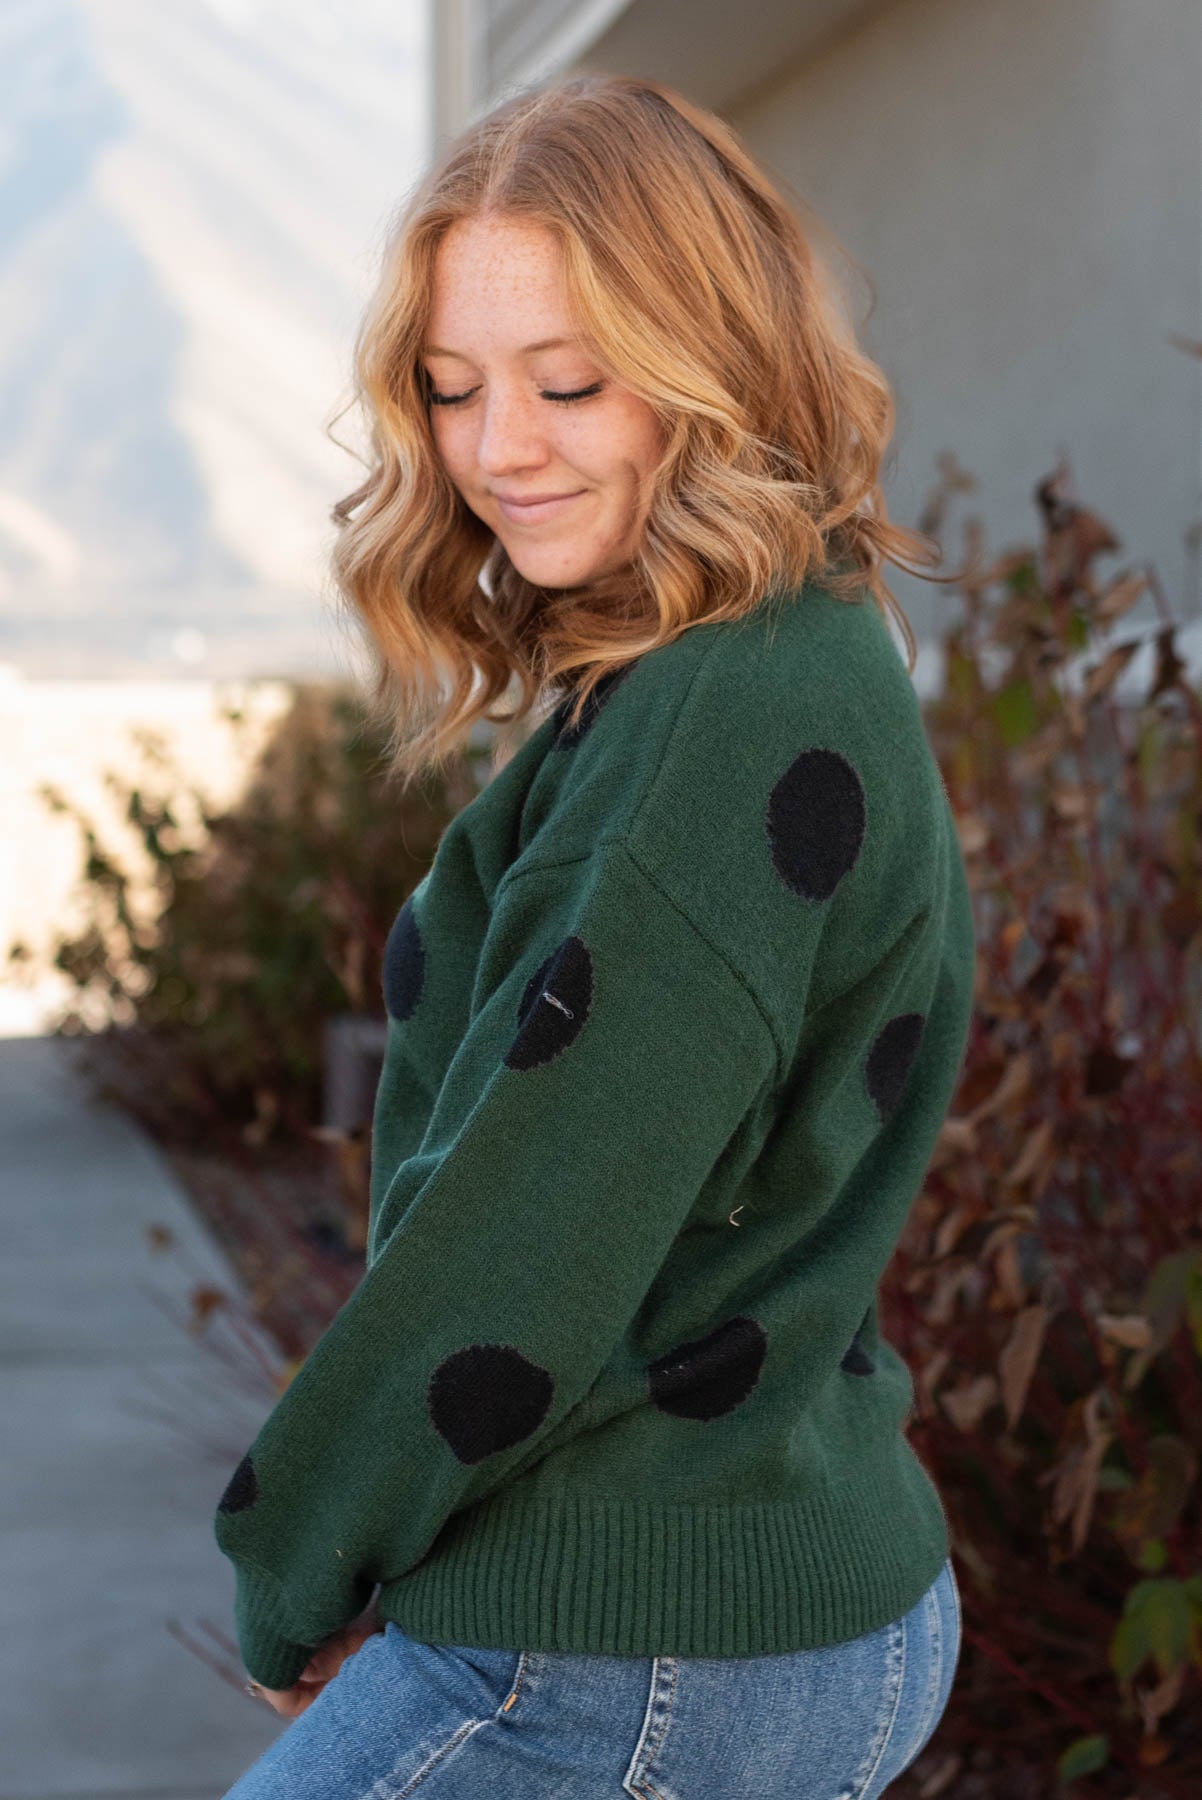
x=559, y=399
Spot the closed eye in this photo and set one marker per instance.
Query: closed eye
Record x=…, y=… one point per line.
x=545, y=394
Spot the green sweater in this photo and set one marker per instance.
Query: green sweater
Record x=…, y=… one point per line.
x=674, y=1020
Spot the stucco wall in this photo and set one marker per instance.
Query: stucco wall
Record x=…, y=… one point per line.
x=1022, y=183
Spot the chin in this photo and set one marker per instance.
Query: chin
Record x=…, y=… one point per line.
x=554, y=575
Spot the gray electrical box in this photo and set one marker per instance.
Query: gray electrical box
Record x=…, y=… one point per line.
x=352, y=1057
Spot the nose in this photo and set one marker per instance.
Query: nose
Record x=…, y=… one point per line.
x=512, y=435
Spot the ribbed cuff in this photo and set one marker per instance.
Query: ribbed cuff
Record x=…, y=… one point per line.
x=270, y=1654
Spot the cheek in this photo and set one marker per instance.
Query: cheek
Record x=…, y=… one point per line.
x=643, y=440
x=452, y=442
x=654, y=441
x=621, y=448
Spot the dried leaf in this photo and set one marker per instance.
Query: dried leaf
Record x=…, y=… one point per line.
x=1131, y=1330
x=1012, y=1084
x=1077, y=1477
x=956, y=1137
x=1155, y=1702
x=941, y=1776
x=205, y=1301
x=1102, y=678
x=1153, y=1506
x=1004, y=1229
x=1120, y=597
x=1019, y=1358
x=1086, y=535
x=949, y=1230
x=927, y=1380
x=972, y=833
x=1011, y=1289
x=1070, y=802
x=1011, y=934
x=1034, y=1156
x=1170, y=668
x=966, y=1404
x=948, y=1283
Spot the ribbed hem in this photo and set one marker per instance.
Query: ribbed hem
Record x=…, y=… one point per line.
x=570, y=1570
x=270, y=1654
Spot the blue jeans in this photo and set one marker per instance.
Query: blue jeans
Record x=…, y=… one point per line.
x=452, y=1722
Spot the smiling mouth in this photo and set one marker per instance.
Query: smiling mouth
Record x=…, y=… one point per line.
x=534, y=510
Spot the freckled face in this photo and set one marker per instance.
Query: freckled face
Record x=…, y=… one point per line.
x=500, y=350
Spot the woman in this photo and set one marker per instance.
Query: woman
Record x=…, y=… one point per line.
x=674, y=1020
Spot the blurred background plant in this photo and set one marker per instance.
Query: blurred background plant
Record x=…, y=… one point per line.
x=201, y=998
x=1047, y=1292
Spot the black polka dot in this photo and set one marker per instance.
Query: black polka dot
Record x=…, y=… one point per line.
x=486, y=1398
x=710, y=1375
x=815, y=822
x=242, y=1489
x=856, y=1360
x=404, y=964
x=566, y=737
x=556, y=1002
x=891, y=1059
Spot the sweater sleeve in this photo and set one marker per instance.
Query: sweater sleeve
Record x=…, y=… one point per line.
x=611, y=1054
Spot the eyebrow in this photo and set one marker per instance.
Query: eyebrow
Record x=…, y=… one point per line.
x=526, y=350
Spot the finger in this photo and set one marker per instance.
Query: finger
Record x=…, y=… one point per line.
x=286, y=1701
x=322, y=1665
x=291, y=1704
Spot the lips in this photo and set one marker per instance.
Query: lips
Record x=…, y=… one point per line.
x=530, y=512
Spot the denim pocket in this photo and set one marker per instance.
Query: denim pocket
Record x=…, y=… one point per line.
x=819, y=1721
x=499, y=1671
x=504, y=1670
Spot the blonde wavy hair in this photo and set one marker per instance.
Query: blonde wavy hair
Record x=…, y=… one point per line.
x=694, y=285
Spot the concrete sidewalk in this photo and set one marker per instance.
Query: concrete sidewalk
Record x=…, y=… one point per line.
x=105, y=1510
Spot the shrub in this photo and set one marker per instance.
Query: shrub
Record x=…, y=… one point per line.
x=264, y=924
x=1047, y=1293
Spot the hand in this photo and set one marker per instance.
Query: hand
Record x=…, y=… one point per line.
x=321, y=1667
